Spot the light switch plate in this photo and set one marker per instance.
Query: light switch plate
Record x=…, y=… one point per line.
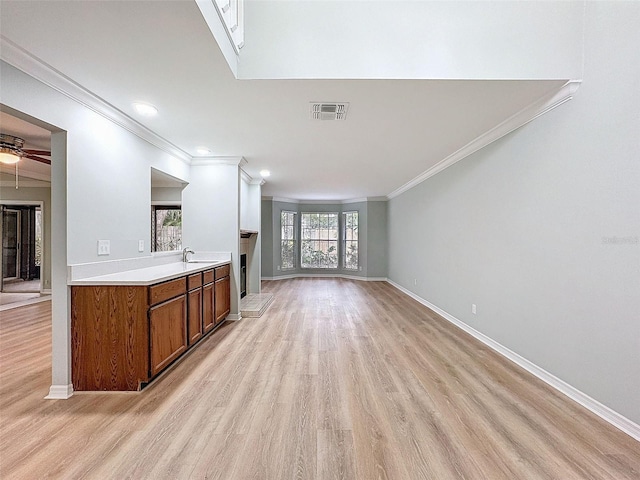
x=104, y=247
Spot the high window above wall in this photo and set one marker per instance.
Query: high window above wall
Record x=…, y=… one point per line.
x=232, y=14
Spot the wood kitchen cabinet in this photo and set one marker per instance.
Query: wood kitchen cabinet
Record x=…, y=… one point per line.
x=208, y=302
x=123, y=336
x=194, y=308
x=222, y=293
x=194, y=326
x=168, y=332
x=109, y=337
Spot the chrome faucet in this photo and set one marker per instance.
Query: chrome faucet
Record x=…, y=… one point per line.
x=185, y=254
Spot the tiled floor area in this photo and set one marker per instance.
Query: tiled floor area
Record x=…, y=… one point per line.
x=15, y=300
x=21, y=286
x=254, y=304
x=17, y=293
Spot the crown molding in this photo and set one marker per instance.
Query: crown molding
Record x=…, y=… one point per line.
x=23, y=60
x=281, y=199
x=326, y=202
x=377, y=199
x=519, y=119
x=245, y=176
x=320, y=202
x=204, y=161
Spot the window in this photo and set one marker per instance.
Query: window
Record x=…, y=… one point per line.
x=287, y=240
x=319, y=244
x=166, y=228
x=350, y=241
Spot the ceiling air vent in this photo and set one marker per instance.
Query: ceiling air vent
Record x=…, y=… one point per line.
x=329, y=111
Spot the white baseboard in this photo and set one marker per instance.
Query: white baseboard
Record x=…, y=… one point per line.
x=46, y=291
x=60, y=392
x=234, y=317
x=614, y=418
x=330, y=275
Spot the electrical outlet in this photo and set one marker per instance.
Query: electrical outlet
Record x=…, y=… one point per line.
x=141, y=245
x=278, y=267
x=473, y=308
x=104, y=247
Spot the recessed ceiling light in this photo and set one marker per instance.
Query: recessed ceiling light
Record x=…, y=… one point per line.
x=145, y=109
x=265, y=173
x=203, y=151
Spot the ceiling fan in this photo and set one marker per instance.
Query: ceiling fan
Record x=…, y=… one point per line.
x=11, y=151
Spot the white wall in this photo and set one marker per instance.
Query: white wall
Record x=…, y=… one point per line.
x=168, y=195
x=108, y=170
x=541, y=229
x=412, y=39
x=100, y=189
x=244, y=205
x=254, y=273
x=211, y=214
x=61, y=385
x=254, y=197
x=250, y=197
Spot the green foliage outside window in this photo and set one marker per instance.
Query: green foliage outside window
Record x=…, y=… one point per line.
x=319, y=244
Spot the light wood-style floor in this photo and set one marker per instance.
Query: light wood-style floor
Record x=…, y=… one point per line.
x=338, y=379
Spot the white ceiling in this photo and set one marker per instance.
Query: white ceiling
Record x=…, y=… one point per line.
x=34, y=137
x=163, y=53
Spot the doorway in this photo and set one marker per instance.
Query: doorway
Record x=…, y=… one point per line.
x=21, y=231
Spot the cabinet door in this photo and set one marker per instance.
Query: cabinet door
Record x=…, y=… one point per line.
x=195, y=315
x=223, y=298
x=109, y=337
x=208, y=300
x=168, y=332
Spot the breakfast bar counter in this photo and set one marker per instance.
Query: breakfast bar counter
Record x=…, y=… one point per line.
x=129, y=326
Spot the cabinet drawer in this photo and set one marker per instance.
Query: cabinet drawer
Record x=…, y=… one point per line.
x=208, y=277
x=222, y=271
x=164, y=291
x=195, y=281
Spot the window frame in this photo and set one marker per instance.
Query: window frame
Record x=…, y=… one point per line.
x=293, y=240
x=329, y=240
x=154, y=223
x=344, y=240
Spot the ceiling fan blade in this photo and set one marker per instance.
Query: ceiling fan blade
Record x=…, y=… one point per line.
x=46, y=153
x=38, y=159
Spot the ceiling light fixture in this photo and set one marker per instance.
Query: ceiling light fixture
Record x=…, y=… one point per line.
x=10, y=149
x=203, y=151
x=145, y=109
x=265, y=173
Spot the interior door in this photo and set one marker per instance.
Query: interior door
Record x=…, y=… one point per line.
x=10, y=243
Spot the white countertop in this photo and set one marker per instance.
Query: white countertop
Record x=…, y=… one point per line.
x=150, y=275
